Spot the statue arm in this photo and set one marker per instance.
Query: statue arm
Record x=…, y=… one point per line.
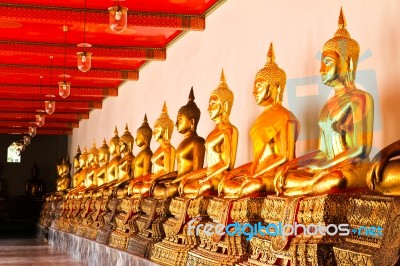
x=362, y=117
x=276, y=159
x=225, y=161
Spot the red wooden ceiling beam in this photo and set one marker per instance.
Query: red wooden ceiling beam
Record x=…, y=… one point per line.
x=23, y=92
x=34, y=105
x=75, y=73
x=39, y=131
x=30, y=117
x=47, y=125
x=46, y=49
x=59, y=15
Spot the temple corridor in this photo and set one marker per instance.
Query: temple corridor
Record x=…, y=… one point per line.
x=29, y=251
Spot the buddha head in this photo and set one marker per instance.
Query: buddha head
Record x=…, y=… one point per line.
x=93, y=154
x=83, y=158
x=76, y=158
x=221, y=100
x=104, y=152
x=188, y=116
x=339, y=57
x=114, y=143
x=126, y=141
x=65, y=167
x=270, y=82
x=163, y=126
x=144, y=134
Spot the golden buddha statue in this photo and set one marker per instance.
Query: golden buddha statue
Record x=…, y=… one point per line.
x=104, y=159
x=346, y=125
x=383, y=176
x=220, y=145
x=163, y=160
x=273, y=134
x=126, y=163
x=77, y=168
x=83, y=165
x=190, y=152
x=64, y=177
x=93, y=165
x=112, y=166
x=142, y=165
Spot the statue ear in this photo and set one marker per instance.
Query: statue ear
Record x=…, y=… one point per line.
x=166, y=134
x=192, y=123
x=225, y=105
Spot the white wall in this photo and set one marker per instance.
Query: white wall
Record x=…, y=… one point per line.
x=236, y=38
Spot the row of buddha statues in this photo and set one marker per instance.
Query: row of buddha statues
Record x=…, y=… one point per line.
x=146, y=195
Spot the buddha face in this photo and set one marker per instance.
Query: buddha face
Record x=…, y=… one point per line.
x=122, y=146
x=82, y=162
x=90, y=158
x=214, y=107
x=330, y=68
x=262, y=91
x=183, y=124
x=101, y=156
x=76, y=163
x=112, y=148
x=158, y=133
x=140, y=140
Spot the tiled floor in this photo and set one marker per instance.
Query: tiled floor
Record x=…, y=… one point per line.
x=30, y=252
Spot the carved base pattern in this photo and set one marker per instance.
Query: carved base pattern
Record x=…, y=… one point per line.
x=378, y=250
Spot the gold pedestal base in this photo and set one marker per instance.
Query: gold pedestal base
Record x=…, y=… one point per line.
x=371, y=248
x=150, y=228
x=173, y=250
x=103, y=234
x=125, y=221
x=226, y=250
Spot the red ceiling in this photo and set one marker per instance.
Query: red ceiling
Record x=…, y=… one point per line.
x=32, y=30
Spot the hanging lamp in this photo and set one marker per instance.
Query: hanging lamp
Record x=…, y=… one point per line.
x=50, y=104
x=84, y=58
x=32, y=130
x=118, y=17
x=40, y=117
x=64, y=87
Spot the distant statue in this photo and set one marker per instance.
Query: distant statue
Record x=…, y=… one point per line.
x=34, y=187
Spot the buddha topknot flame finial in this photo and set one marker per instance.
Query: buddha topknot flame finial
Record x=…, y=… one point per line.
x=270, y=54
x=191, y=95
x=342, y=20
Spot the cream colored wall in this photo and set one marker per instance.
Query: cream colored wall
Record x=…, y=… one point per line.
x=236, y=38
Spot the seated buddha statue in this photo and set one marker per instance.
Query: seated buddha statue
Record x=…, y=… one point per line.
x=93, y=166
x=346, y=124
x=163, y=160
x=126, y=163
x=64, y=177
x=142, y=164
x=104, y=159
x=83, y=165
x=34, y=187
x=112, y=166
x=273, y=135
x=77, y=168
x=383, y=176
x=220, y=145
x=190, y=152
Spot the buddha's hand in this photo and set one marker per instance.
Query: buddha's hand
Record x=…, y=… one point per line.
x=314, y=168
x=279, y=179
x=374, y=174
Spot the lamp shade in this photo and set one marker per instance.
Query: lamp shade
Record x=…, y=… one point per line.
x=32, y=131
x=84, y=61
x=64, y=89
x=118, y=18
x=49, y=107
x=27, y=140
x=40, y=120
